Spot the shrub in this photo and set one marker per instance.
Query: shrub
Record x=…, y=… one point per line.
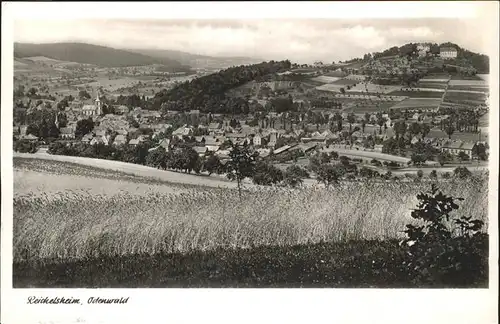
x=462, y=172
x=24, y=146
x=294, y=174
x=445, y=250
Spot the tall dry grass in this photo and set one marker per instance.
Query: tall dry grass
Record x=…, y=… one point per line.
x=74, y=225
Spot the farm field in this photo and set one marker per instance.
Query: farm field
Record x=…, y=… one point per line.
x=468, y=82
x=467, y=137
x=454, y=96
x=325, y=79
x=345, y=82
x=201, y=224
x=436, y=79
x=366, y=107
x=484, y=89
x=417, y=93
x=373, y=88
x=418, y=103
x=432, y=85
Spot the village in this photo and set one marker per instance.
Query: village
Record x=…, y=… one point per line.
x=286, y=119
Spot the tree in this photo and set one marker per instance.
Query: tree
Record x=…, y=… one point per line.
x=462, y=172
x=84, y=127
x=294, y=175
x=420, y=174
x=157, y=158
x=400, y=128
x=266, y=174
x=479, y=151
x=463, y=156
x=449, y=128
x=83, y=95
x=425, y=129
x=443, y=157
x=241, y=164
x=327, y=174
x=433, y=174
x=414, y=129
x=351, y=119
x=212, y=164
x=418, y=159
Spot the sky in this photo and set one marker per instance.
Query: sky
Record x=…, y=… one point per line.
x=300, y=40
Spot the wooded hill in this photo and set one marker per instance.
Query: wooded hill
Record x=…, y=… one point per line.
x=208, y=93
x=93, y=54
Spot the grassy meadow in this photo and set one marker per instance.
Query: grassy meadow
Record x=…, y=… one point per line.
x=162, y=231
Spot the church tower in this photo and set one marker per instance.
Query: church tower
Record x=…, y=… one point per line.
x=98, y=105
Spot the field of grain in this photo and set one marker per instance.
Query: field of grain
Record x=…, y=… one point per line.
x=75, y=225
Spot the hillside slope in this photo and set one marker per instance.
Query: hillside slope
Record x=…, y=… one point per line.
x=91, y=54
x=478, y=61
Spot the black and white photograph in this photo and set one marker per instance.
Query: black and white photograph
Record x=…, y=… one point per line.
x=276, y=152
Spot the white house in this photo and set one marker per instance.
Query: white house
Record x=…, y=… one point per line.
x=448, y=52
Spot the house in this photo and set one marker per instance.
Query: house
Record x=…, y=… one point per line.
x=87, y=138
x=210, y=140
x=448, y=52
x=378, y=148
x=214, y=127
x=282, y=149
x=272, y=140
x=452, y=147
x=100, y=132
x=121, y=110
x=201, y=150
x=212, y=148
x=100, y=140
x=467, y=148
x=30, y=137
x=22, y=130
x=67, y=133
x=257, y=140
x=305, y=147
x=165, y=143
x=182, y=131
x=134, y=142
x=120, y=140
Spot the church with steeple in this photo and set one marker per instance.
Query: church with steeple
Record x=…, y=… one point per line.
x=93, y=110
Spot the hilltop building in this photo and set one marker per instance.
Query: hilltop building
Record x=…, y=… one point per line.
x=448, y=52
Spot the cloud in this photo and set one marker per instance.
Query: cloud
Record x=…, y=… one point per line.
x=303, y=40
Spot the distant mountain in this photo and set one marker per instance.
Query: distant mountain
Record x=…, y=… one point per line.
x=197, y=60
x=93, y=54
